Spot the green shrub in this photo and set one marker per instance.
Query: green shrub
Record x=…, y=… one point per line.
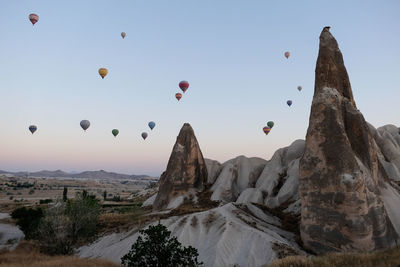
x=28, y=220
x=156, y=247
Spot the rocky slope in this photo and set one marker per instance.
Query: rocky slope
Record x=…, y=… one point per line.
x=340, y=171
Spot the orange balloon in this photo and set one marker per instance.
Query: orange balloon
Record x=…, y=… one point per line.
x=103, y=72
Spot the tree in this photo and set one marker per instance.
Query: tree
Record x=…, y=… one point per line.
x=68, y=224
x=65, y=192
x=156, y=247
x=105, y=195
x=28, y=220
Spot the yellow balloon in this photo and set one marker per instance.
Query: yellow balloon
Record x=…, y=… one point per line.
x=103, y=72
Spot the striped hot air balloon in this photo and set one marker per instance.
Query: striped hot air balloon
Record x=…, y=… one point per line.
x=33, y=18
x=178, y=96
x=266, y=130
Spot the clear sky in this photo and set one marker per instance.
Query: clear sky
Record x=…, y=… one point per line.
x=230, y=51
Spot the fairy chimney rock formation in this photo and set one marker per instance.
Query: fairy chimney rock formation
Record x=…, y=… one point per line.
x=341, y=208
x=186, y=170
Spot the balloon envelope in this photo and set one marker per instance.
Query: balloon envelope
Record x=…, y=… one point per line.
x=123, y=34
x=287, y=54
x=178, y=96
x=152, y=124
x=270, y=124
x=33, y=18
x=115, y=132
x=85, y=124
x=266, y=130
x=144, y=135
x=184, y=85
x=103, y=72
x=299, y=88
x=289, y=102
x=32, y=128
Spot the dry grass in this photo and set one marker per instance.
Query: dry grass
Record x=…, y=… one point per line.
x=385, y=258
x=28, y=255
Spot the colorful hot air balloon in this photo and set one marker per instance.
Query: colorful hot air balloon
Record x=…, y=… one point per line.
x=178, y=96
x=270, y=124
x=299, y=87
x=287, y=54
x=152, y=124
x=32, y=128
x=144, y=135
x=184, y=85
x=266, y=130
x=115, y=132
x=85, y=124
x=289, y=102
x=123, y=34
x=103, y=72
x=33, y=18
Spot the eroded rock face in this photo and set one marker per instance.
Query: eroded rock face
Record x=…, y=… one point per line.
x=340, y=173
x=186, y=170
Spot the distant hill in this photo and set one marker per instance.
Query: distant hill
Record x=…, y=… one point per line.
x=101, y=174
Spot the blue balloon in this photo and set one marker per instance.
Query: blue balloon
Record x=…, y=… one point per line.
x=289, y=102
x=32, y=128
x=152, y=124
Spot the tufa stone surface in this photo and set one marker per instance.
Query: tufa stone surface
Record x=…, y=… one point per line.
x=186, y=170
x=340, y=173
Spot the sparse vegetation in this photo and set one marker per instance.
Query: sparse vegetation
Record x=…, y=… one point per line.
x=156, y=247
x=27, y=255
x=385, y=258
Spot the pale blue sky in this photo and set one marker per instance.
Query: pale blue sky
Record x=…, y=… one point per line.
x=230, y=51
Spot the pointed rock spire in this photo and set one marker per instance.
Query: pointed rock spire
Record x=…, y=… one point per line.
x=186, y=170
x=340, y=172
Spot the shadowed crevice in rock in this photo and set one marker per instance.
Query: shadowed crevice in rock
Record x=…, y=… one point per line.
x=340, y=169
x=186, y=170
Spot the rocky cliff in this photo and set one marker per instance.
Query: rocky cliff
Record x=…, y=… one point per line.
x=186, y=171
x=340, y=171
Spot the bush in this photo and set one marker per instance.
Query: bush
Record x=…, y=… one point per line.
x=156, y=247
x=28, y=220
x=67, y=224
x=45, y=201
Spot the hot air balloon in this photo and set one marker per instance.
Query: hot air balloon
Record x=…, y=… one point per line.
x=32, y=128
x=103, y=72
x=266, y=130
x=289, y=102
x=85, y=124
x=33, y=18
x=123, y=34
x=115, y=132
x=184, y=85
x=299, y=87
x=152, y=124
x=178, y=96
x=144, y=135
x=287, y=54
x=270, y=124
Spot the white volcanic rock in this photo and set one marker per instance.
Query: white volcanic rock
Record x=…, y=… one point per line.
x=213, y=170
x=388, y=140
x=229, y=235
x=251, y=195
x=279, y=180
x=237, y=175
